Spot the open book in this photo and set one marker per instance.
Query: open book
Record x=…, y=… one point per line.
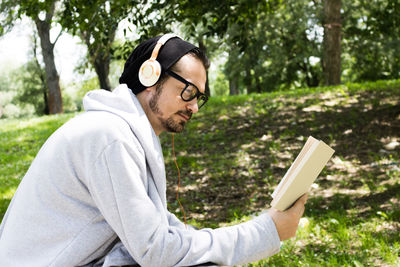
x=305, y=169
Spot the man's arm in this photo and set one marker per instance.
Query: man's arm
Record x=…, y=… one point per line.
x=118, y=187
x=174, y=221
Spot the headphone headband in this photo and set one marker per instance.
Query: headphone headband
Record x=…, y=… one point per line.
x=160, y=43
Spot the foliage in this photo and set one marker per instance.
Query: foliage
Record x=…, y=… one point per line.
x=371, y=39
x=211, y=24
x=215, y=16
x=269, y=43
x=12, y=10
x=8, y=89
x=86, y=86
x=96, y=23
x=8, y=16
x=237, y=148
x=27, y=92
x=278, y=51
x=278, y=44
x=32, y=89
x=272, y=45
x=220, y=86
x=8, y=109
x=266, y=45
x=31, y=79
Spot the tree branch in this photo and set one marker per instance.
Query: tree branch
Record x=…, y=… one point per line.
x=58, y=36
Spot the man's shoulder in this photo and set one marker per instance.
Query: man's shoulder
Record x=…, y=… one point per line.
x=98, y=125
x=103, y=120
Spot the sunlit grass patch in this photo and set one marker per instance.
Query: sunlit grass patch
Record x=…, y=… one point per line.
x=336, y=240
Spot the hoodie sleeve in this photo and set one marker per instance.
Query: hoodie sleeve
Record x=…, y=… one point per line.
x=174, y=221
x=117, y=183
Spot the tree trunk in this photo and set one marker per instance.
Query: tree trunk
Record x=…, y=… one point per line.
x=233, y=86
x=101, y=65
x=331, y=62
x=99, y=55
x=248, y=82
x=258, y=84
x=42, y=76
x=52, y=78
x=204, y=49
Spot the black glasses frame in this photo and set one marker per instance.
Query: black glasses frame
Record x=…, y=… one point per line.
x=199, y=95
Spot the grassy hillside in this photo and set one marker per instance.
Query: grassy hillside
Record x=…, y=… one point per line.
x=235, y=151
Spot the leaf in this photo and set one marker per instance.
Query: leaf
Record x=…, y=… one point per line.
x=383, y=215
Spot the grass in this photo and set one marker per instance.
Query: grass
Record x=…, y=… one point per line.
x=235, y=151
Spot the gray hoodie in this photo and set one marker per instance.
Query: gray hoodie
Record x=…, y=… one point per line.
x=101, y=177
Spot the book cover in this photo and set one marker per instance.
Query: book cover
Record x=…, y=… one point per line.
x=302, y=173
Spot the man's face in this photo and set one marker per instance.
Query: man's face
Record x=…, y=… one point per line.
x=170, y=111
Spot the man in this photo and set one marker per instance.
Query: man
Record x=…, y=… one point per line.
x=95, y=193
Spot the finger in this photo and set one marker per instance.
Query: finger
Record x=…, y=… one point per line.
x=304, y=198
x=298, y=206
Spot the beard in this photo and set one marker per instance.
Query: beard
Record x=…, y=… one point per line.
x=170, y=124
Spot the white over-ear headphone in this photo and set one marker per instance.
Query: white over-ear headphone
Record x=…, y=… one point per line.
x=150, y=71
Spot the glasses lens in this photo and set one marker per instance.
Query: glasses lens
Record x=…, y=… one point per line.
x=201, y=100
x=189, y=93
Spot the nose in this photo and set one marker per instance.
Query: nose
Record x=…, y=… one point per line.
x=192, y=106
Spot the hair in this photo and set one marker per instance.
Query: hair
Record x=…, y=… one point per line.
x=199, y=54
x=196, y=53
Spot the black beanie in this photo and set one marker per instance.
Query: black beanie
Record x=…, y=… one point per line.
x=168, y=55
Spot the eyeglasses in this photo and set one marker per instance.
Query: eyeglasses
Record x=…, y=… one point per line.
x=190, y=91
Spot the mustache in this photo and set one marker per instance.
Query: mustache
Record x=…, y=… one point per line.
x=186, y=113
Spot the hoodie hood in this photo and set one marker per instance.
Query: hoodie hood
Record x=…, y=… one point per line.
x=124, y=104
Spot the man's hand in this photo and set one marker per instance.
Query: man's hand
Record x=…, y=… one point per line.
x=286, y=222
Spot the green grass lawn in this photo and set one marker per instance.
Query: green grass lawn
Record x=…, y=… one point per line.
x=235, y=151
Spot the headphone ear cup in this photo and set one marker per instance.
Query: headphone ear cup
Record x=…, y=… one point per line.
x=149, y=72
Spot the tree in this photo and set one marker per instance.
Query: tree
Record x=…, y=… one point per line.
x=33, y=87
x=96, y=23
x=36, y=9
x=52, y=78
x=331, y=63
